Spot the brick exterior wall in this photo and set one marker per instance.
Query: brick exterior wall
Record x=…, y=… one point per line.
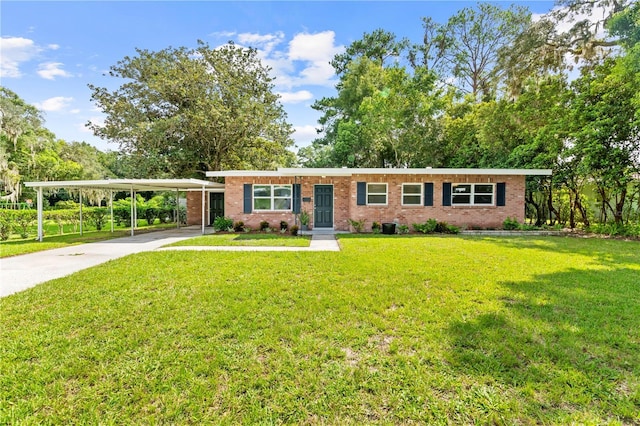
x=345, y=201
x=464, y=216
x=194, y=208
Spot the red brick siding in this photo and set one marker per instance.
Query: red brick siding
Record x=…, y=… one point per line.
x=345, y=203
x=194, y=207
x=491, y=216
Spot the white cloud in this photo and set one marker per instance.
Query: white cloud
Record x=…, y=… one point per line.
x=223, y=34
x=54, y=46
x=51, y=70
x=295, y=97
x=15, y=51
x=57, y=103
x=313, y=47
x=304, y=135
x=74, y=111
x=264, y=42
x=305, y=60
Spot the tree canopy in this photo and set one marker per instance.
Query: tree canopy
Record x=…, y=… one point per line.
x=181, y=112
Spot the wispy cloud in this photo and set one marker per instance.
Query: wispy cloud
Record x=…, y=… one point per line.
x=54, y=104
x=15, y=51
x=295, y=97
x=303, y=61
x=51, y=70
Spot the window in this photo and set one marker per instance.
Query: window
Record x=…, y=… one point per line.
x=412, y=194
x=272, y=197
x=377, y=193
x=472, y=194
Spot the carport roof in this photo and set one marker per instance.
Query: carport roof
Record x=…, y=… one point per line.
x=129, y=184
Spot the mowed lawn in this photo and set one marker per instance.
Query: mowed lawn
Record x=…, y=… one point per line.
x=391, y=330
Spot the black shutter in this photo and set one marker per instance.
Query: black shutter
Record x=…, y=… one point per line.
x=428, y=194
x=361, y=195
x=247, y=197
x=446, y=194
x=297, y=198
x=501, y=194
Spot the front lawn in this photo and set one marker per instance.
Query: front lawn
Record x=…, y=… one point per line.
x=428, y=330
x=250, y=239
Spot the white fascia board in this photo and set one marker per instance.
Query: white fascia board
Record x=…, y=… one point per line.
x=282, y=172
x=425, y=171
x=245, y=173
x=126, y=184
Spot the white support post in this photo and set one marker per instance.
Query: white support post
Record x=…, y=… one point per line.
x=203, y=200
x=39, y=201
x=111, y=207
x=132, y=210
x=80, y=212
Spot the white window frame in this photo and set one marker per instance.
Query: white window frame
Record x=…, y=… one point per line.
x=421, y=194
x=473, y=193
x=386, y=193
x=272, y=198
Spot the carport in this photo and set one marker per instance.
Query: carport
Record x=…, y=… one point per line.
x=132, y=186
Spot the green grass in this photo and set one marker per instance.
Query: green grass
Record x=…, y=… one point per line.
x=436, y=330
x=30, y=245
x=269, y=240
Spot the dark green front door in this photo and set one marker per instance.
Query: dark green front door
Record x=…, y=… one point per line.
x=216, y=205
x=323, y=206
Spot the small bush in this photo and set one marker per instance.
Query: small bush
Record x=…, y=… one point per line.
x=222, y=223
x=429, y=227
x=97, y=216
x=284, y=225
x=5, y=229
x=510, y=224
x=376, y=227
x=264, y=225
x=294, y=230
x=357, y=225
x=238, y=226
x=402, y=229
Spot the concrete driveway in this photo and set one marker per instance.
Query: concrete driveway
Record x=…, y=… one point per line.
x=18, y=273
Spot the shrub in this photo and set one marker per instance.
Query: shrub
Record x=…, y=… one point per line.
x=284, y=225
x=150, y=214
x=428, y=227
x=222, y=223
x=238, y=226
x=510, y=224
x=294, y=230
x=97, y=216
x=264, y=225
x=5, y=229
x=357, y=225
x=22, y=221
x=376, y=227
x=402, y=229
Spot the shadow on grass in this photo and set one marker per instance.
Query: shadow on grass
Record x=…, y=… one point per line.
x=570, y=340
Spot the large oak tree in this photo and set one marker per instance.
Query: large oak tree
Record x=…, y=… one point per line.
x=180, y=112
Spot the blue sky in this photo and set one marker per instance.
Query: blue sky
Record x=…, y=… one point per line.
x=51, y=50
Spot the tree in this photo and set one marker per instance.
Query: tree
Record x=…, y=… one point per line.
x=468, y=46
x=181, y=112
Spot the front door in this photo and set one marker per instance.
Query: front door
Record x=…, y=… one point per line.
x=216, y=205
x=323, y=207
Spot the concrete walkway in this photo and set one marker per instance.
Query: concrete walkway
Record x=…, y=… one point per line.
x=19, y=273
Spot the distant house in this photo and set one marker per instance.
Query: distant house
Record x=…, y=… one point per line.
x=332, y=196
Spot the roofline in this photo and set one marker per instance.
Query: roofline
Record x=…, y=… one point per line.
x=281, y=172
x=120, y=184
